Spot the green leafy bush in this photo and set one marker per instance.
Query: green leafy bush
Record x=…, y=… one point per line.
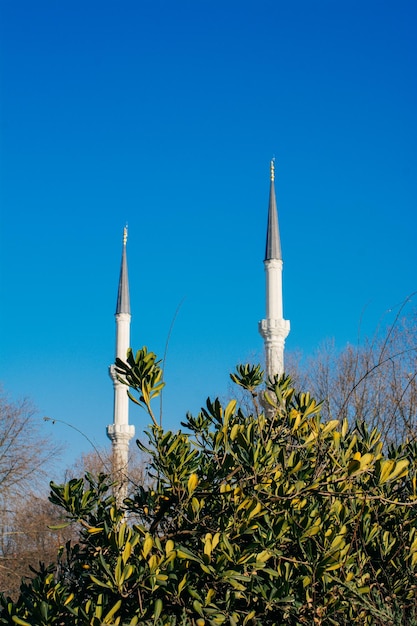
x=272, y=517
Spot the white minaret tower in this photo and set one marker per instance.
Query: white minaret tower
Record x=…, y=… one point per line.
x=274, y=329
x=120, y=432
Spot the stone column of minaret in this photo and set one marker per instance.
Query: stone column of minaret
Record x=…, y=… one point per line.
x=120, y=432
x=274, y=329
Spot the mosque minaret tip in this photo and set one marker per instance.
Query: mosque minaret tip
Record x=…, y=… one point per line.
x=274, y=329
x=120, y=432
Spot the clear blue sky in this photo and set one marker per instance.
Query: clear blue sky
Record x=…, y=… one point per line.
x=165, y=115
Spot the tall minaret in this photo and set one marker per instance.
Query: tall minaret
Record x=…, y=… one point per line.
x=120, y=432
x=274, y=329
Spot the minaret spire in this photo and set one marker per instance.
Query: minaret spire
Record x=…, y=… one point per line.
x=120, y=432
x=123, y=299
x=274, y=329
x=273, y=242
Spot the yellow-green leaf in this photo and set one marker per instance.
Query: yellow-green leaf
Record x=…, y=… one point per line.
x=21, y=622
x=157, y=608
x=147, y=545
x=127, y=551
x=182, y=584
x=192, y=483
x=169, y=546
x=229, y=410
x=401, y=468
x=108, y=618
x=234, y=432
x=331, y=425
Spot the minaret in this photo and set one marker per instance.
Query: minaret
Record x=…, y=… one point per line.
x=274, y=329
x=120, y=432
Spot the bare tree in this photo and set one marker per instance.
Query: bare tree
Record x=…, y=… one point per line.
x=26, y=456
x=28, y=534
x=25, y=453
x=374, y=381
x=32, y=540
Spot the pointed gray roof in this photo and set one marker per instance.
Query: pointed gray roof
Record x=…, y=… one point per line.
x=273, y=242
x=123, y=299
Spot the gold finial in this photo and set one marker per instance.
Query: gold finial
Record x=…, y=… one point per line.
x=273, y=169
x=125, y=235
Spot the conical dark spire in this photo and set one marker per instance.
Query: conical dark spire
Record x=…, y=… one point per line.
x=273, y=242
x=123, y=299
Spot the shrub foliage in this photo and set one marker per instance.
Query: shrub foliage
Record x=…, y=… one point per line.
x=265, y=517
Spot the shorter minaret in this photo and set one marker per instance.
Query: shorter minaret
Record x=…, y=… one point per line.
x=274, y=329
x=120, y=432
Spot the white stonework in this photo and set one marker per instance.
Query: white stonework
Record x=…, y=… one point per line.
x=274, y=333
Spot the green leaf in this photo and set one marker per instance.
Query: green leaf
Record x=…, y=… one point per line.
x=59, y=526
x=108, y=617
x=158, y=606
x=182, y=584
x=98, y=582
x=229, y=410
x=198, y=607
x=21, y=622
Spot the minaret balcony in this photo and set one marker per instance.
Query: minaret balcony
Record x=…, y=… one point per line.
x=120, y=432
x=278, y=328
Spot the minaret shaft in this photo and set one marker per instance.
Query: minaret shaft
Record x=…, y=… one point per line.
x=273, y=277
x=274, y=329
x=122, y=334
x=121, y=400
